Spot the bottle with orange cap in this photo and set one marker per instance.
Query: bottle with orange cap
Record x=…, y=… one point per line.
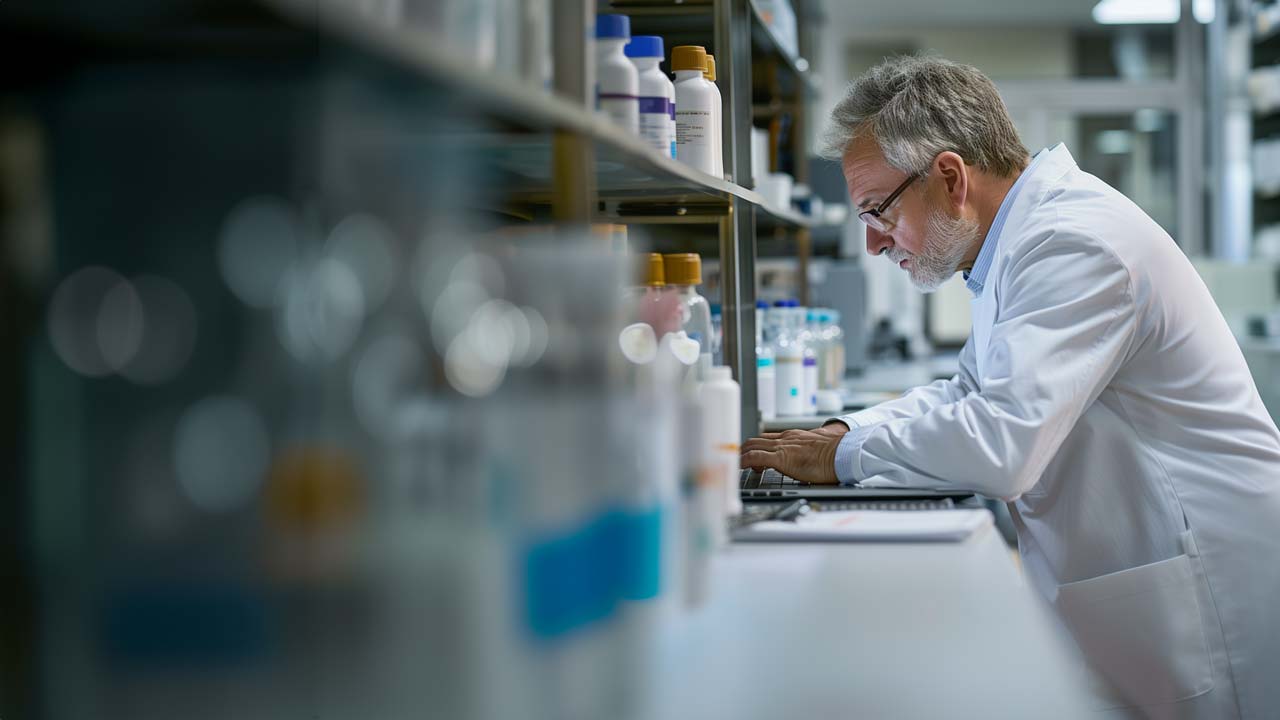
x=683, y=272
x=648, y=300
x=696, y=109
x=717, y=127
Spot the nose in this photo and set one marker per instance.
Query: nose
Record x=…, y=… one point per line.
x=878, y=242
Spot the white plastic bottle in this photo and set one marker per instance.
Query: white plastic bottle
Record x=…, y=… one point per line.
x=617, y=81
x=789, y=358
x=657, y=94
x=696, y=107
x=683, y=273
x=717, y=124
x=721, y=400
x=765, y=371
x=809, y=392
x=835, y=363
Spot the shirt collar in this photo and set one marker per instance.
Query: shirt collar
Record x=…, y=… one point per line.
x=976, y=278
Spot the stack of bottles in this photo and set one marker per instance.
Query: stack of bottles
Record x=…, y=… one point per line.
x=670, y=342
x=799, y=359
x=681, y=120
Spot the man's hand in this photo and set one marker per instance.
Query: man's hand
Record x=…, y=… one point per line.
x=806, y=455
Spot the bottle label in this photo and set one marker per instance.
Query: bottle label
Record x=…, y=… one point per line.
x=655, y=123
x=692, y=128
x=764, y=362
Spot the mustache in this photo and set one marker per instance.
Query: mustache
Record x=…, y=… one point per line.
x=897, y=255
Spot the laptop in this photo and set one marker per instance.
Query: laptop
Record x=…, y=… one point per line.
x=773, y=485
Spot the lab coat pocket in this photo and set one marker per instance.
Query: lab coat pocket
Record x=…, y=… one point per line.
x=1141, y=630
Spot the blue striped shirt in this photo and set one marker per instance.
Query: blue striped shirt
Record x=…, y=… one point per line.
x=976, y=277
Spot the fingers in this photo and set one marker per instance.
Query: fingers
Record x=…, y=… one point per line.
x=784, y=434
x=770, y=441
x=760, y=459
x=759, y=444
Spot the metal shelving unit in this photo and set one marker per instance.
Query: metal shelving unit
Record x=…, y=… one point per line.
x=553, y=153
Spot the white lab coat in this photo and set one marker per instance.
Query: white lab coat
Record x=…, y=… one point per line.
x=1103, y=396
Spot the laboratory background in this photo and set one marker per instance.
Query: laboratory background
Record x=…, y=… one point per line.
x=392, y=358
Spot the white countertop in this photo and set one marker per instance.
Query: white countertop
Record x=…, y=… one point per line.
x=867, y=631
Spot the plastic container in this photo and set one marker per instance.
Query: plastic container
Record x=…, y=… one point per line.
x=766, y=379
x=683, y=273
x=801, y=318
x=717, y=119
x=657, y=94
x=696, y=108
x=835, y=348
x=717, y=335
x=617, y=81
x=788, y=355
x=721, y=400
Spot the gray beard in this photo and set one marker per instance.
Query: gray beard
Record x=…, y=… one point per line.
x=946, y=240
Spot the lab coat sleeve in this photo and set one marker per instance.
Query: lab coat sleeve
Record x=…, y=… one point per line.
x=1065, y=324
x=917, y=401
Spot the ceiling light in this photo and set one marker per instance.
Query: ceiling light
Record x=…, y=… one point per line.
x=1149, y=12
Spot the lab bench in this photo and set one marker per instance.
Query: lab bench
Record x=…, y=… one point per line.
x=868, y=630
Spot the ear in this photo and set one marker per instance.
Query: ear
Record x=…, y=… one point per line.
x=951, y=169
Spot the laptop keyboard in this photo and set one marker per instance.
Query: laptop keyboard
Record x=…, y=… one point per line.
x=769, y=479
x=770, y=484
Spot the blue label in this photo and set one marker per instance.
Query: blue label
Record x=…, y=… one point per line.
x=569, y=580
x=764, y=362
x=655, y=105
x=810, y=361
x=795, y=392
x=640, y=539
x=576, y=579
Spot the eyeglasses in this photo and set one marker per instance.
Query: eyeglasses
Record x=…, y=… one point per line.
x=875, y=219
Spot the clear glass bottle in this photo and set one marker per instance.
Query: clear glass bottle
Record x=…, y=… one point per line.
x=683, y=273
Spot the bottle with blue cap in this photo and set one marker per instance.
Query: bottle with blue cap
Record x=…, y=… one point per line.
x=617, y=81
x=803, y=320
x=765, y=377
x=657, y=94
x=788, y=355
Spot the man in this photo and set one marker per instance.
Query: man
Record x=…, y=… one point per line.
x=1100, y=394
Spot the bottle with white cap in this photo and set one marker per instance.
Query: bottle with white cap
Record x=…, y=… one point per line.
x=657, y=94
x=717, y=125
x=696, y=108
x=617, y=81
x=721, y=397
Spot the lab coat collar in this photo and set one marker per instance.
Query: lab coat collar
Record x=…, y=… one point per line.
x=1047, y=166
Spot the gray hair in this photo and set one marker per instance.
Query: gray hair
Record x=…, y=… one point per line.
x=916, y=107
